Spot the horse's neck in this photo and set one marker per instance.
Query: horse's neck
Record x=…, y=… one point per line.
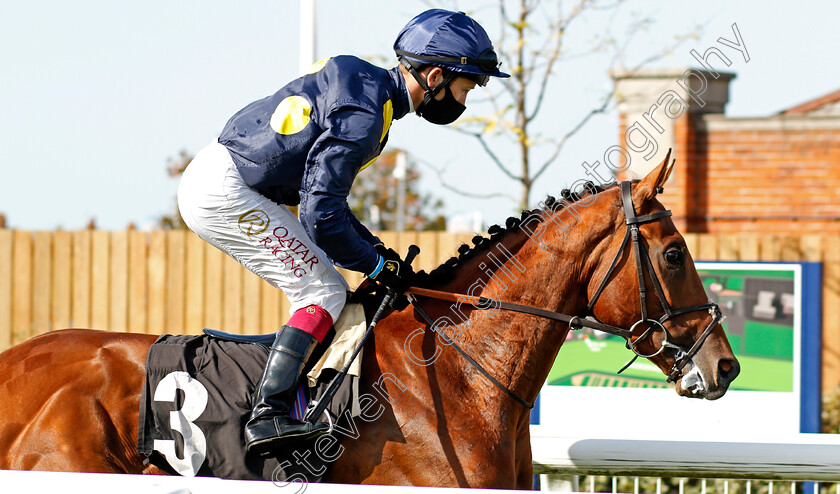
x=517, y=349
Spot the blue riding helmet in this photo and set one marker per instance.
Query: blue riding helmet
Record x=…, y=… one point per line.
x=450, y=40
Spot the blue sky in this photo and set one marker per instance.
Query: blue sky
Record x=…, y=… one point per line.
x=96, y=95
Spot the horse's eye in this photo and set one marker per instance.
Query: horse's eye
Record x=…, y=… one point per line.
x=674, y=257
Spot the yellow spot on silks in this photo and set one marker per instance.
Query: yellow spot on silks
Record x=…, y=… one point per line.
x=291, y=115
x=318, y=65
x=387, y=118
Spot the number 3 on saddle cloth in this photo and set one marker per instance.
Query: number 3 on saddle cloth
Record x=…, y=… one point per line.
x=197, y=399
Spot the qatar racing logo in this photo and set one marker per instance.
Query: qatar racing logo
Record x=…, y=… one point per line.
x=286, y=248
x=253, y=222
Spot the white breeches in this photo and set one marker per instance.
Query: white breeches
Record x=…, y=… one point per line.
x=260, y=234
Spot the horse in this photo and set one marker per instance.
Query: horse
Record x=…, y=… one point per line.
x=70, y=398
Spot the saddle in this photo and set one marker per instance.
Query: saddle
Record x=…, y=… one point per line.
x=198, y=396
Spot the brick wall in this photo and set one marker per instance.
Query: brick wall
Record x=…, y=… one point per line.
x=778, y=174
x=746, y=177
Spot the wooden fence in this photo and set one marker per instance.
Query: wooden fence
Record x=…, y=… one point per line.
x=173, y=282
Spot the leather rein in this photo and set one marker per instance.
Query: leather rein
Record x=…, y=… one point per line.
x=589, y=320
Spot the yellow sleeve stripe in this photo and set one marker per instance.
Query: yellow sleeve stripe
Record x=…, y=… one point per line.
x=387, y=117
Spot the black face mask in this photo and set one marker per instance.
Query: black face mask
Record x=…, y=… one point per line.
x=441, y=112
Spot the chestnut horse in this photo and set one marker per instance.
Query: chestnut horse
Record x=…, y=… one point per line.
x=70, y=398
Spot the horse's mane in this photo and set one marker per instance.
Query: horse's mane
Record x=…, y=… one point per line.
x=370, y=294
x=447, y=269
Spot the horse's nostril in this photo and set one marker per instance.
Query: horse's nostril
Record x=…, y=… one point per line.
x=728, y=370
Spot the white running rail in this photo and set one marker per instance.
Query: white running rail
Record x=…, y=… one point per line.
x=798, y=457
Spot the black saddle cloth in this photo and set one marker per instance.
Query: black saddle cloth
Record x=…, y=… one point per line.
x=197, y=399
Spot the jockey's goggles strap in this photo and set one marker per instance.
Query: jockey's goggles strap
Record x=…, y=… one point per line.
x=487, y=61
x=480, y=79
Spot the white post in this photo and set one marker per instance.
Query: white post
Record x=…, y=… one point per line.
x=400, y=172
x=375, y=217
x=478, y=221
x=559, y=483
x=307, y=35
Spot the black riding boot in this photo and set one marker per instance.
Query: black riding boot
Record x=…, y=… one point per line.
x=271, y=425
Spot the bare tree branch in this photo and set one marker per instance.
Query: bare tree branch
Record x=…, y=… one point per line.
x=608, y=97
x=501, y=50
x=440, y=173
x=493, y=157
x=559, y=32
x=559, y=147
x=552, y=58
x=533, y=43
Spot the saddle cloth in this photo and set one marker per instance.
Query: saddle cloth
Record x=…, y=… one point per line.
x=198, y=395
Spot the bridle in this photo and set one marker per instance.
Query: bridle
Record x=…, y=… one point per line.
x=643, y=263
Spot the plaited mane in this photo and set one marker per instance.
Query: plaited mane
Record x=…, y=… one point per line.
x=446, y=270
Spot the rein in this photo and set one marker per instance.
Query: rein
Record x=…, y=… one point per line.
x=643, y=263
x=449, y=341
x=483, y=303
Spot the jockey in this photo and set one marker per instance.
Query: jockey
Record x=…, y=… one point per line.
x=303, y=146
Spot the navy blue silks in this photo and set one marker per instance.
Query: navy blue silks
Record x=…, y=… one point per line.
x=306, y=143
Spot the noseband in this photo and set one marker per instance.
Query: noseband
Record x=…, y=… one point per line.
x=643, y=263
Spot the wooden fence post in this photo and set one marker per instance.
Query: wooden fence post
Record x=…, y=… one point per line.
x=42, y=262
x=22, y=287
x=195, y=282
x=118, y=320
x=831, y=312
x=62, y=279
x=6, y=271
x=138, y=276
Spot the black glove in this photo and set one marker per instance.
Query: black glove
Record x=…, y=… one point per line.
x=395, y=272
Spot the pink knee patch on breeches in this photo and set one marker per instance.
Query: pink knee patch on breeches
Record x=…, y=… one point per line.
x=312, y=319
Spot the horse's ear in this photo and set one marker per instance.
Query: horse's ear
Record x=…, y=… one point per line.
x=648, y=187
